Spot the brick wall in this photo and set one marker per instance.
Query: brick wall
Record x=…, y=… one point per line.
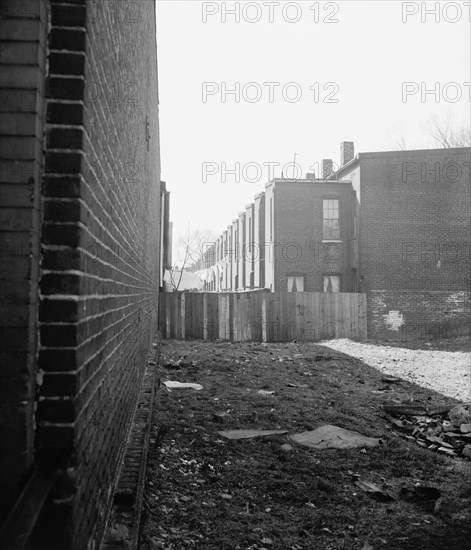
x=415, y=241
x=100, y=253
x=299, y=248
x=22, y=59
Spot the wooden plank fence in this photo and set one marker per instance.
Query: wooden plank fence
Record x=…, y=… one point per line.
x=262, y=316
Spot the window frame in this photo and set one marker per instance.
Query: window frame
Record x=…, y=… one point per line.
x=325, y=238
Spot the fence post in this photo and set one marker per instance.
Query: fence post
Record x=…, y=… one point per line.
x=183, y=316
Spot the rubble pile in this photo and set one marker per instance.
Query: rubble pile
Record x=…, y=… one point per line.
x=445, y=430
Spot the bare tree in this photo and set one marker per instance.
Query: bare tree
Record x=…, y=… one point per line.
x=397, y=134
x=191, y=246
x=447, y=135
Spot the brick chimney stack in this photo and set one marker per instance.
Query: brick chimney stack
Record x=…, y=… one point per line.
x=327, y=168
x=347, y=152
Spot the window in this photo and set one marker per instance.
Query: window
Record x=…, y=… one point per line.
x=331, y=226
x=295, y=283
x=331, y=283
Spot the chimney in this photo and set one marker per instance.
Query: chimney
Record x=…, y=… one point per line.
x=327, y=168
x=347, y=152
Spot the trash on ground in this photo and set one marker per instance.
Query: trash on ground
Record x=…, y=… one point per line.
x=432, y=430
x=172, y=384
x=221, y=417
x=333, y=437
x=461, y=414
x=391, y=379
x=250, y=434
x=384, y=495
x=266, y=393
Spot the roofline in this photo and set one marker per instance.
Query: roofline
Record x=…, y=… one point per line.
x=406, y=153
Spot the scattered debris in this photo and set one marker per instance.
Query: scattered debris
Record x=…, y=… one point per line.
x=391, y=380
x=250, y=434
x=221, y=417
x=173, y=385
x=414, y=410
x=333, y=437
x=432, y=430
x=461, y=414
x=384, y=495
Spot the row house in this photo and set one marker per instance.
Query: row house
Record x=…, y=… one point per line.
x=393, y=225
x=297, y=235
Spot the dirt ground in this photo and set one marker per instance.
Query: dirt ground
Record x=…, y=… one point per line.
x=204, y=491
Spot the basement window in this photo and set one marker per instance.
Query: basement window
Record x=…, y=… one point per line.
x=295, y=283
x=331, y=283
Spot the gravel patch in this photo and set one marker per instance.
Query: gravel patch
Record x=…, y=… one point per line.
x=446, y=372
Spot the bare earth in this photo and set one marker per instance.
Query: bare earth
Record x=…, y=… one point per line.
x=206, y=492
x=446, y=372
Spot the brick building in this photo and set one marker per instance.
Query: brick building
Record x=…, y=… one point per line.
x=415, y=238
x=395, y=225
x=80, y=242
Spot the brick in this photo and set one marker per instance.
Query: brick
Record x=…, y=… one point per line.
x=63, y=163
x=16, y=339
x=15, y=291
x=20, y=124
x=56, y=283
x=17, y=195
x=19, y=171
x=51, y=311
x=19, y=387
x=60, y=336
x=69, y=138
x=66, y=63
x=58, y=411
x=22, y=30
x=59, y=385
x=19, y=53
x=26, y=9
x=15, y=219
x=61, y=234
x=51, y=437
x=64, y=186
x=62, y=260
x=65, y=88
x=64, y=113
x=14, y=76
x=68, y=15
x=21, y=100
x=14, y=315
x=19, y=148
x=58, y=360
x=67, y=39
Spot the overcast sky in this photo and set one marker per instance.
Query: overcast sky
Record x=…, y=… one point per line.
x=310, y=75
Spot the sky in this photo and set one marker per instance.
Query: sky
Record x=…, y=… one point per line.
x=246, y=86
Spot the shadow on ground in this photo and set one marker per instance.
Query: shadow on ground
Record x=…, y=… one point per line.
x=206, y=492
